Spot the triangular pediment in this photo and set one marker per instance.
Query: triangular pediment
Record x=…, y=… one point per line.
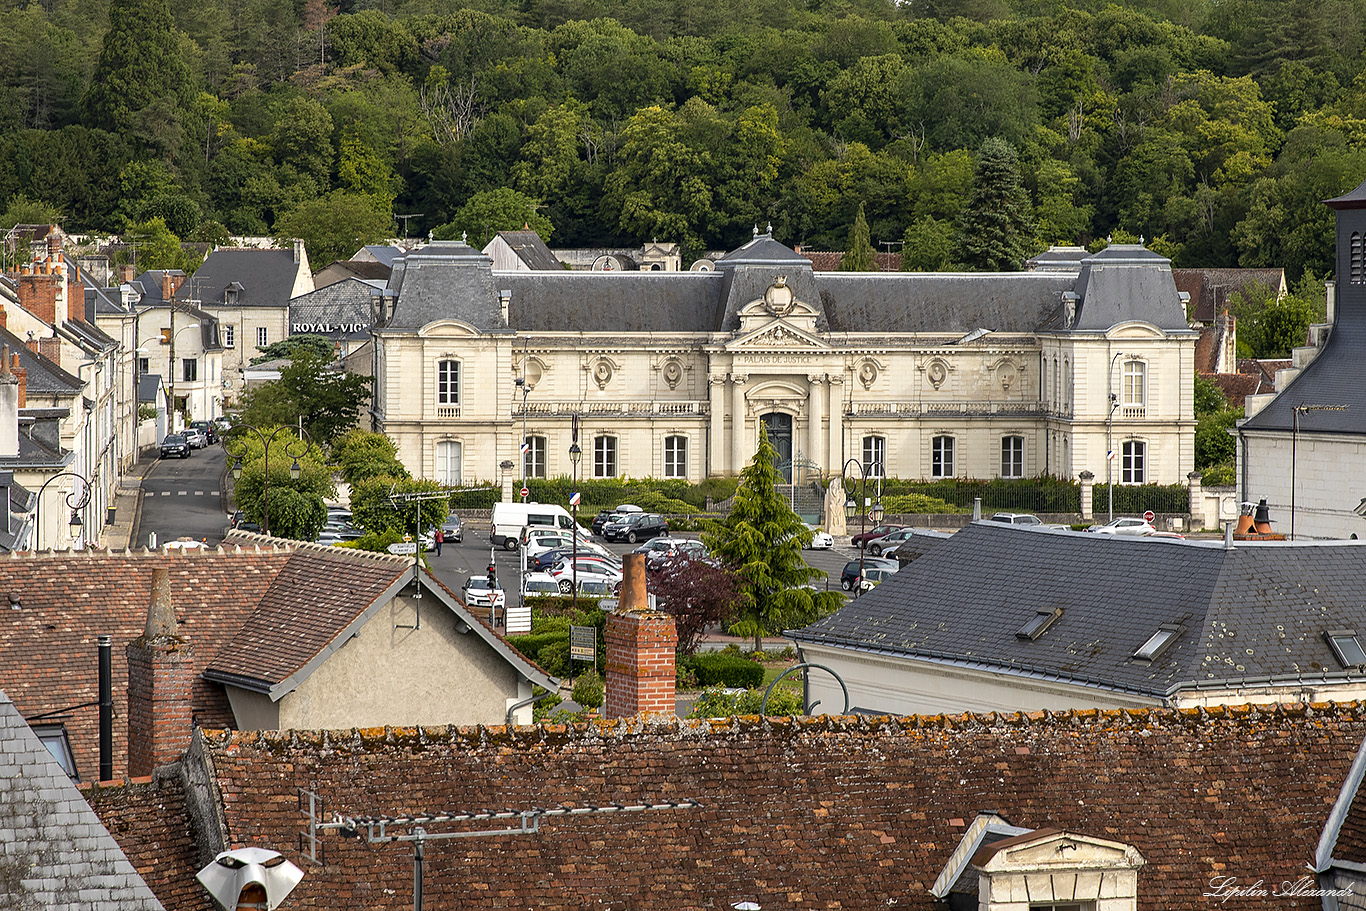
x=780, y=334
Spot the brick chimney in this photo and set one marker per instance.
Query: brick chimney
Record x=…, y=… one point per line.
x=127, y=273
x=160, y=685
x=640, y=651
x=9, y=408
x=20, y=374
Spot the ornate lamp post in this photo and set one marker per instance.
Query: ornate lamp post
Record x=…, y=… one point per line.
x=575, y=454
x=1110, y=436
x=860, y=507
x=295, y=470
x=74, y=501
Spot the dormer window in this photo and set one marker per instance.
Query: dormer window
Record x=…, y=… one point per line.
x=1346, y=648
x=1158, y=642
x=1041, y=621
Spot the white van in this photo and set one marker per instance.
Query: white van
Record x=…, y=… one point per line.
x=510, y=518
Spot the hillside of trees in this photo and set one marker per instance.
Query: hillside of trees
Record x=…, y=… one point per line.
x=1211, y=128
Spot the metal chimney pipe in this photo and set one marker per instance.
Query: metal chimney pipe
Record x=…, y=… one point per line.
x=106, y=708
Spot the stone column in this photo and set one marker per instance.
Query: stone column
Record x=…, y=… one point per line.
x=815, y=416
x=716, y=425
x=738, y=456
x=1196, y=509
x=834, y=459
x=1087, y=480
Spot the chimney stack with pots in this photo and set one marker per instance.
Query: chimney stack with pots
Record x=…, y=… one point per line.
x=640, y=650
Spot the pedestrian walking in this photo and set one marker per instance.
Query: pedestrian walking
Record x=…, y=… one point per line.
x=439, y=539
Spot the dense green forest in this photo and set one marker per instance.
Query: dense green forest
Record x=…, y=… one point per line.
x=1212, y=128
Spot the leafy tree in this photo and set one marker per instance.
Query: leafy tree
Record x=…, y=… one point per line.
x=157, y=248
x=927, y=245
x=761, y=541
x=24, y=211
x=718, y=702
x=140, y=64
x=335, y=226
x=363, y=455
x=378, y=506
x=319, y=346
x=1270, y=325
x=297, y=508
x=1214, y=445
x=697, y=594
x=996, y=231
x=302, y=145
x=496, y=210
x=328, y=400
x=859, y=255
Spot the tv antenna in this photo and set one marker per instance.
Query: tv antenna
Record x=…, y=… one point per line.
x=405, y=221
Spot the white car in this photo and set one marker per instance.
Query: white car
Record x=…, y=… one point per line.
x=821, y=539
x=1124, y=526
x=540, y=584
x=478, y=593
x=595, y=570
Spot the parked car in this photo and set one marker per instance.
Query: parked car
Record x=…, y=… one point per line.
x=453, y=530
x=607, y=515
x=640, y=526
x=477, y=592
x=195, y=437
x=874, y=576
x=849, y=577
x=240, y=521
x=173, y=444
x=820, y=539
x=1016, y=518
x=1124, y=526
x=862, y=538
x=544, y=562
x=660, y=551
x=540, y=584
x=879, y=546
x=206, y=428
x=542, y=540
x=565, y=572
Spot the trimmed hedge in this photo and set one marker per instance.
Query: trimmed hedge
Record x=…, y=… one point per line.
x=671, y=496
x=717, y=669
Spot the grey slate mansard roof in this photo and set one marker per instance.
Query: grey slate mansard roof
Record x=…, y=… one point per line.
x=57, y=854
x=450, y=280
x=266, y=278
x=1253, y=612
x=350, y=302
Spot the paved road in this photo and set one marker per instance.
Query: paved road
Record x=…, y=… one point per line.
x=184, y=498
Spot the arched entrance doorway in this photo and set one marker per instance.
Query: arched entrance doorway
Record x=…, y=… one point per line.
x=779, y=427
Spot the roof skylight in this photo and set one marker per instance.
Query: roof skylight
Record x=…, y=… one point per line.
x=1346, y=647
x=1041, y=621
x=1158, y=642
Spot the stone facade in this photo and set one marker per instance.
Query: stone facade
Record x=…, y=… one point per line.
x=671, y=373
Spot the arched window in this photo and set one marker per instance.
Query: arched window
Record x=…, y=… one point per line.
x=676, y=456
x=875, y=456
x=1012, y=457
x=604, y=457
x=533, y=463
x=448, y=454
x=1134, y=464
x=941, y=457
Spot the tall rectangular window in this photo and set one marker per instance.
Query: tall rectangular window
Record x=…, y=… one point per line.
x=1134, y=377
x=448, y=382
x=941, y=457
x=604, y=457
x=189, y=368
x=229, y=335
x=262, y=337
x=1012, y=457
x=675, y=456
x=144, y=365
x=875, y=456
x=448, y=453
x=533, y=463
x=1134, y=462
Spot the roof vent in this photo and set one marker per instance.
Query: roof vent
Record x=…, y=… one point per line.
x=1346, y=647
x=1041, y=621
x=1158, y=642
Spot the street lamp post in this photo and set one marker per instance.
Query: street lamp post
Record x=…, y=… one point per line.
x=74, y=501
x=861, y=507
x=1110, y=435
x=295, y=470
x=575, y=453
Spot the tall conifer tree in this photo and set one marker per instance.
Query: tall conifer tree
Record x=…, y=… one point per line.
x=996, y=231
x=859, y=256
x=140, y=68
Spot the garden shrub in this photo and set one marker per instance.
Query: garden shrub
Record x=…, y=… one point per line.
x=715, y=702
x=588, y=690
x=717, y=669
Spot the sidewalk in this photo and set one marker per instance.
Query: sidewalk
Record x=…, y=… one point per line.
x=127, y=507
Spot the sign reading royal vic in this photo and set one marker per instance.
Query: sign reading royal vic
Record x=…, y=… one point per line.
x=329, y=328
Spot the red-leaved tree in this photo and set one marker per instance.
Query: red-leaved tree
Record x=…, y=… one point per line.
x=697, y=594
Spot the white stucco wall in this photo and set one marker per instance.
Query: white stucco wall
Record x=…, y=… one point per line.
x=1328, y=481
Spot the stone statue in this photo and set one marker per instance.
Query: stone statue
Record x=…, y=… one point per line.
x=834, y=507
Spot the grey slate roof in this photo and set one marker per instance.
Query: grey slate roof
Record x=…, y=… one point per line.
x=45, y=377
x=54, y=852
x=613, y=301
x=344, y=310
x=149, y=285
x=1120, y=283
x=383, y=253
x=446, y=279
x=149, y=385
x=959, y=302
x=531, y=250
x=266, y=278
x=1255, y=611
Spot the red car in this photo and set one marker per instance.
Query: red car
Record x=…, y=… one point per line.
x=861, y=540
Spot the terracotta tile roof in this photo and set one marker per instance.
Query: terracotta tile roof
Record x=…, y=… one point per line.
x=1238, y=386
x=809, y=813
x=148, y=817
x=1211, y=289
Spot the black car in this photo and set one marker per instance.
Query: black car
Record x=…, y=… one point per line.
x=240, y=522
x=206, y=428
x=637, y=526
x=849, y=577
x=602, y=519
x=173, y=444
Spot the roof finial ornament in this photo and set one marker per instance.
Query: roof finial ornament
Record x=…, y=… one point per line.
x=1140, y=240
x=1108, y=241
x=769, y=231
x=463, y=237
x=756, y=230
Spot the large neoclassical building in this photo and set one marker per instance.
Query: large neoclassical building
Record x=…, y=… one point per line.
x=671, y=373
